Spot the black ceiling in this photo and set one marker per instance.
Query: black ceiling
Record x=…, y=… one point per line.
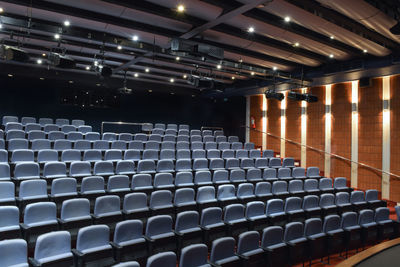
x=320, y=33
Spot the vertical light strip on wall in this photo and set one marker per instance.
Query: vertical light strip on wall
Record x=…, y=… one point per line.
x=328, y=129
x=264, y=122
x=303, y=154
x=283, y=127
x=247, y=133
x=354, y=133
x=386, y=137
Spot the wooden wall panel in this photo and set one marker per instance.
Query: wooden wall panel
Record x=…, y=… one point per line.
x=395, y=137
x=274, y=124
x=293, y=128
x=256, y=112
x=370, y=135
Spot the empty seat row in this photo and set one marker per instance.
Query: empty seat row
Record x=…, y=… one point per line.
x=147, y=127
x=13, y=129
x=41, y=121
x=53, y=135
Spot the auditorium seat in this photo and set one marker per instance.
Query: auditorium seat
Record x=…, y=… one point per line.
x=342, y=201
x=275, y=163
x=385, y=224
x=17, y=143
x=270, y=175
x=275, y=248
x=187, y=229
x=298, y=173
x=235, y=219
x=92, y=136
x=135, y=206
x=146, y=166
x=56, y=135
x=161, y=203
x=242, y=154
x=206, y=197
x=248, y=249
x=352, y=231
x=31, y=191
x=47, y=155
x=9, y=223
x=236, y=145
x=85, y=129
x=167, y=154
x=261, y=163
x=335, y=234
x=52, y=170
x=275, y=212
x=53, y=248
x=61, y=122
x=63, y=189
x=297, y=243
x=200, y=164
x=295, y=188
x=245, y=192
x=371, y=196
x=109, y=136
x=7, y=193
x=280, y=189
x=212, y=224
x=118, y=185
x=184, y=179
x=357, y=200
x=311, y=186
x=232, y=164
x=262, y=191
x=237, y=176
x=166, y=259
x=183, y=138
x=316, y=239
x=254, y=175
x=223, y=253
x=4, y=172
x=142, y=183
x=80, y=169
x=27, y=120
x=119, y=145
x=327, y=204
x=82, y=145
x=113, y=155
x=92, y=187
x=132, y=154
x=313, y=172
x=107, y=211
x=44, y=121
x=101, y=145
x=220, y=177
x=294, y=210
x=164, y=181
x=103, y=168
x=183, y=145
x=194, y=255
x=34, y=134
x=40, y=144
x=14, y=252
x=92, y=155
x=184, y=200
x=340, y=184
x=183, y=154
x=10, y=126
x=369, y=228
x=92, y=246
x=255, y=215
x=224, y=146
x=61, y=145
x=70, y=155
x=325, y=185
x=68, y=128
x=288, y=163
x=159, y=235
x=75, y=214
x=78, y=123
x=125, y=167
x=165, y=166
x=50, y=128
x=39, y=218
x=311, y=206
x=128, y=237
x=226, y=195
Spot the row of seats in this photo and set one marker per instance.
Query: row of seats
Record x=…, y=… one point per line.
x=12, y=128
x=41, y=121
x=279, y=246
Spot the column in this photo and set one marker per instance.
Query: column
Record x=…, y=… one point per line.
x=328, y=129
x=386, y=137
x=354, y=133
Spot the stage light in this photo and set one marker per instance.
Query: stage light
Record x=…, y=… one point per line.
x=10, y=75
x=71, y=81
x=1, y=26
x=43, y=54
x=272, y=94
x=287, y=19
x=296, y=96
x=135, y=38
x=41, y=79
x=233, y=77
x=181, y=8
x=331, y=56
x=184, y=76
x=1, y=10
x=251, y=29
x=13, y=53
x=96, y=63
x=296, y=44
x=67, y=23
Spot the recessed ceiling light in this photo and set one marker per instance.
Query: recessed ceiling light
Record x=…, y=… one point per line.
x=10, y=75
x=252, y=73
x=147, y=70
x=233, y=77
x=240, y=60
x=44, y=54
x=100, y=66
x=56, y=36
x=181, y=8
x=41, y=79
x=287, y=19
x=332, y=37
x=135, y=38
x=150, y=91
x=1, y=10
x=67, y=23
x=136, y=75
x=87, y=67
x=251, y=29
x=71, y=81
x=172, y=80
x=97, y=84
x=274, y=68
x=184, y=76
x=219, y=66
x=96, y=63
x=296, y=44
x=193, y=95
x=331, y=56
x=119, y=47
x=39, y=61
x=365, y=51
x=172, y=93
x=1, y=25
x=178, y=58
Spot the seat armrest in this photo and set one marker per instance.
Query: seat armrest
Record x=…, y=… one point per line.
x=76, y=252
x=115, y=245
x=33, y=262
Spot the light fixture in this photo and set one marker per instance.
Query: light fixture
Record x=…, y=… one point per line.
x=184, y=76
x=39, y=61
x=1, y=25
x=71, y=81
x=44, y=54
x=251, y=29
x=365, y=51
x=296, y=44
x=13, y=53
x=10, y=75
x=41, y=79
x=172, y=93
x=331, y=56
x=97, y=84
x=181, y=8
x=96, y=63
x=332, y=37
x=219, y=66
x=135, y=38
x=100, y=67
x=287, y=19
x=233, y=77
x=56, y=36
x=67, y=23
x=150, y=91
x=240, y=60
x=1, y=10
x=177, y=58
x=171, y=80
x=147, y=70
x=119, y=47
x=272, y=94
x=87, y=67
x=136, y=75
x=252, y=73
x=274, y=68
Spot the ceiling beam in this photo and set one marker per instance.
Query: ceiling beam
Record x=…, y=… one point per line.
x=346, y=23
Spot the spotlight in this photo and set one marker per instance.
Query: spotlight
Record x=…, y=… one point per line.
x=87, y=67
x=106, y=71
x=135, y=38
x=365, y=51
x=96, y=63
x=41, y=79
x=181, y=8
x=1, y=10
x=296, y=44
x=171, y=80
x=252, y=73
x=13, y=53
x=233, y=77
x=56, y=36
x=332, y=37
x=10, y=75
x=1, y=26
x=184, y=76
x=251, y=29
x=331, y=56
x=39, y=61
x=136, y=75
x=219, y=66
x=61, y=61
x=67, y=23
x=274, y=68
x=43, y=54
x=147, y=70
x=119, y=47
x=287, y=19
x=296, y=96
x=177, y=58
x=272, y=94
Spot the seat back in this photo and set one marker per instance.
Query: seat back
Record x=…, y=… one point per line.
x=93, y=236
x=76, y=208
x=53, y=244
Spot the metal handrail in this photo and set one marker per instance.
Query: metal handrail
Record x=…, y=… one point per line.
x=120, y=123
x=323, y=151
